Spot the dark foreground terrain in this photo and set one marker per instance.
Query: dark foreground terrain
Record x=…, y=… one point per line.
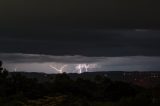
x=87, y=89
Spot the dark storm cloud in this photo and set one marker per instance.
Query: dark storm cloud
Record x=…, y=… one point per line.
x=89, y=42
x=95, y=13
x=37, y=58
x=80, y=27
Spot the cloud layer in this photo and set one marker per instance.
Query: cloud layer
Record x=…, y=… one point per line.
x=88, y=42
x=103, y=13
x=41, y=63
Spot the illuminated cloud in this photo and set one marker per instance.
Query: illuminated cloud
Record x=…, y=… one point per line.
x=78, y=64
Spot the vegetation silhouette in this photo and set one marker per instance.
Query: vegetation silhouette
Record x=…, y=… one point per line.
x=18, y=90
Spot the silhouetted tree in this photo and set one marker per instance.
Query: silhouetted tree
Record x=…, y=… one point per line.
x=3, y=71
x=1, y=68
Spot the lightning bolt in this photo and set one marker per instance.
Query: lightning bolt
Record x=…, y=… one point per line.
x=59, y=70
x=80, y=67
x=86, y=67
x=15, y=69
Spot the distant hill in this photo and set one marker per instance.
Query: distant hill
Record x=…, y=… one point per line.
x=149, y=78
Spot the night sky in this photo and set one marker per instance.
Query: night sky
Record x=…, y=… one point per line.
x=111, y=34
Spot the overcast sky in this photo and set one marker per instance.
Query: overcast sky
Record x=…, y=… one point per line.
x=88, y=42
x=60, y=31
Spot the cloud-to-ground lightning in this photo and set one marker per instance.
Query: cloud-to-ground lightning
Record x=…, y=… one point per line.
x=80, y=67
x=59, y=70
x=86, y=67
x=15, y=69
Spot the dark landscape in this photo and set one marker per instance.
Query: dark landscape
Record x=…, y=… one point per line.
x=86, y=89
x=79, y=53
